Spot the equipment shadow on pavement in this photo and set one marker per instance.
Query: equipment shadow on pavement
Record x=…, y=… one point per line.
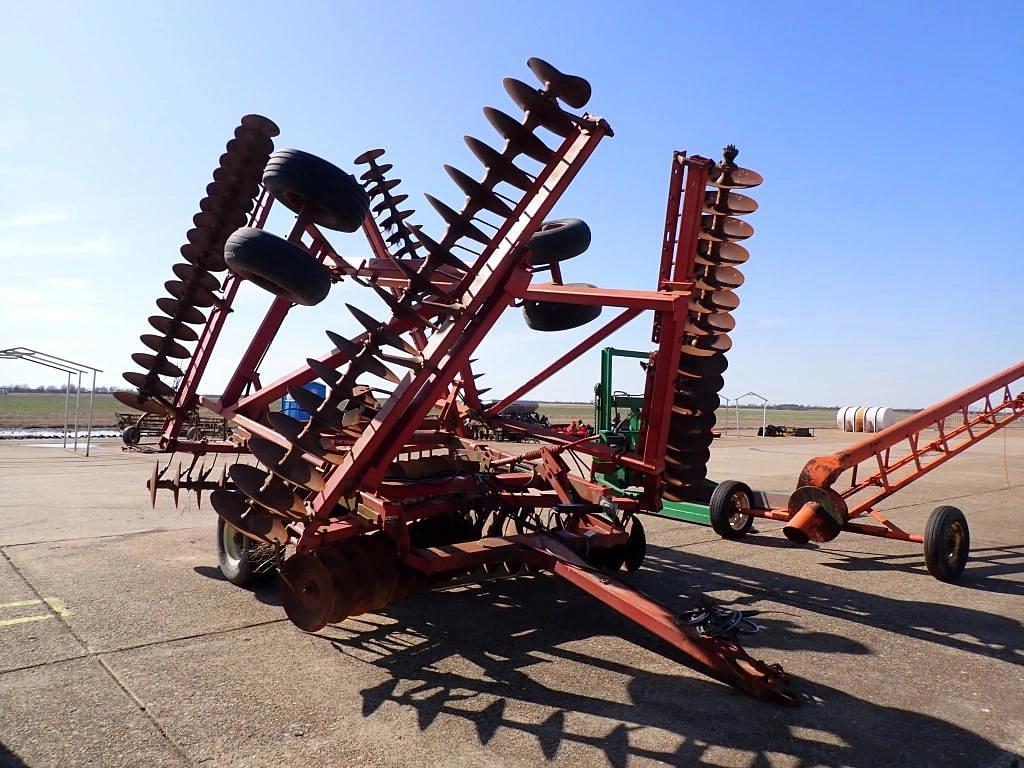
x=10, y=760
x=481, y=654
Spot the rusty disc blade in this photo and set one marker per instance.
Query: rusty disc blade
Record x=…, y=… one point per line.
x=707, y=402
x=458, y=222
x=361, y=587
x=313, y=404
x=211, y=258
x=376, y=172
x=477, y=192
x=701, y=324
x=149, y=384
x=326, y=373
x=395, y=200
x=345, y=346
x=251, y=144
x=437, y=254
x=721, y=228
x=169, y=327
x=572, y=89
x=385, y=568
x=709, y=302
x=717, y=278
x=707, y=385
x=499, y=166
x=382, y=186
x=293, y=469
x=726, y=203
x=396, y=219
x=179, y=311
x=220, y=224
x=142, y=403
x=713, y=253
x=695, y=366
x=261, y=124
x=696, y=455
x=305, y=435
x=249, y=521
x=713, y=342
x=344, y=576
x=380, y=331
x=274, y=496
x=165, y=346
x=368, y=156
x=191, y=274
x=734, y=178
x=519, y=137
x=540, y=108
x=191, y=293
x=159, y=365
x=375, y=367
x=307, y=592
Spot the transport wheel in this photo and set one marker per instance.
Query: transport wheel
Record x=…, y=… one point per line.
x=130, y=436
x=297, y=178
x=235, y=556
x=558, y=240
x=559, y=316
x=274, y=264
x=947, y=542
x=728, y=501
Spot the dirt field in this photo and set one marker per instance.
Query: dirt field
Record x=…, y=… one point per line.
x=120, y=645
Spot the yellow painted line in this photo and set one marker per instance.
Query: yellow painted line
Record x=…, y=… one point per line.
x=55, y=604
x=24, y=619
x=21, y=604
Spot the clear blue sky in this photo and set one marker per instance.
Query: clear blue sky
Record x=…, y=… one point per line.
x=885, y=268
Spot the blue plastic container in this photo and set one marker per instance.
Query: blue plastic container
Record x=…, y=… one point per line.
x=290, y=408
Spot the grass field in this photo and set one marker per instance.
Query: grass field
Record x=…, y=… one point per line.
x=47, y=410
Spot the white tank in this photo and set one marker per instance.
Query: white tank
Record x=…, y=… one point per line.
x=884, y=418
x=869, y=418
x=848, y=423
x=841, y=419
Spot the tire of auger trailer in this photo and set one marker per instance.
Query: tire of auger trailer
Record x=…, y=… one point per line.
x=559, y=316
x=726, y=520
x=271, y=262
x=234, y=557
x=558, y=240
x=298, y=178
x=947, y=543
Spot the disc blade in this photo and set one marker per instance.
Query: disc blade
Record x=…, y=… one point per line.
x=518, y=136
x=499, y=166
x=572, y=89
x=255, y=523
x=168, y=327
x=709, y=302
x=183, y=313
x=159, y=365
x=709, y=252
x=701, y=325
x=734, y=178
x=164, y=345
x=540, y=108
x=274, y=496
x=368, y=156
x=191, y=293
x=395, y=200
x=717, y=278
x=141, y=403
x=726, y=203
x=719, y=228
x=189, y=273
x=376, y=172
x=330, y=376
x=294, y=470
x=476, y=191
x=148, y=384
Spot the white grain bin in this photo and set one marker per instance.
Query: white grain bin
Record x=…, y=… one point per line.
x=883, y=418
x=841, y=419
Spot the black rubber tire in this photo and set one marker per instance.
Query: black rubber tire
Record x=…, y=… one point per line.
x=947, y=543
x=130, y=436
x=558, y=316
x=240, y=571
x=297, y=178
x=558, y=240
x=722, y=509
x=271, y=262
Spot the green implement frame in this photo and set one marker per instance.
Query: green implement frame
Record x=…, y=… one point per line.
x=618, y=418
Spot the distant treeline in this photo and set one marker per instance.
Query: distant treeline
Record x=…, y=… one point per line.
x=25, y=389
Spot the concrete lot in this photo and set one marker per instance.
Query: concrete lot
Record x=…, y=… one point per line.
x=121, y=646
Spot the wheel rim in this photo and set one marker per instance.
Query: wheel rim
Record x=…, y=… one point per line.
x=234, y=546
x=738, y=519
x=954, y=543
